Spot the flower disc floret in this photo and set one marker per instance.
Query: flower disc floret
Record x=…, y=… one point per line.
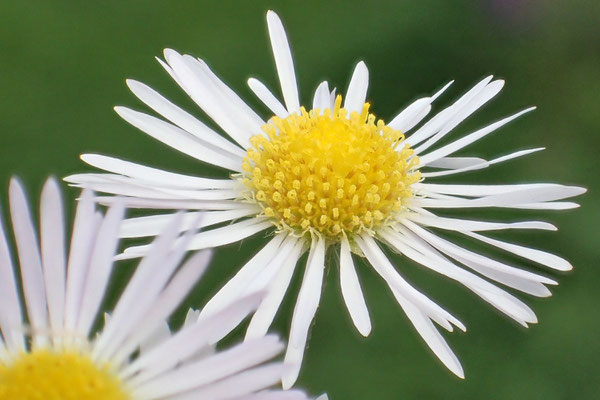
x=329, y=172
x=60, y=375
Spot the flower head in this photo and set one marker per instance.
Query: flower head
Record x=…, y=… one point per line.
x=331, y=177
x=330, y=173
x=61, y=355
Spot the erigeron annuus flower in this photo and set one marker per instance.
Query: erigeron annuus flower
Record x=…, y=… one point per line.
x=61, y=355
x=332, y=178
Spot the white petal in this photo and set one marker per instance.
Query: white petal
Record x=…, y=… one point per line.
x=269, y=100
x=557, y=205
x=192, y=315
x=236, y=285
x=160, y=333
x=470, y=167
x=155, y=175
x=456, y=162
x=229, y=234
x=238, y=385
x=545, y=193
x=539, y=256
x=322, y=99
x=529, y=286
x=351, y=291
x=293, y=394
x=152, y=225
x=515, y=154
x=179, y=139
x=168, y=68
x=283, y=61
x=11, y=321
x=466, y=140
x=263, y=279
x=264, y=315
x=170, y=298
x=482, y=164
x=181, y=118
x=195, y=78
x=357, y=89
x=212, y=238
x=304, y=311
x=223, y=364
x=85, y=230
x=149, y=278
x=483, y=97
x=479, y=190
x=238, y=108
x=455, y=224
x=411, y=115
x=415, y=112
x=117, y=185
x=429, y=258
x=126, y=186
x=187, y=341
x=332, y=97
x=52, y=233
x=432, y=337
x=212, y=194
x=100, y=268
x=418, y=308
x=31, y=264
x=513, y=277
x=441, y=91
x=436, y=123
x=170, y=204
x=401, y=288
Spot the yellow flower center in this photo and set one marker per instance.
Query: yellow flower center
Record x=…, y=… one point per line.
x=329, y=172
x=49, y=375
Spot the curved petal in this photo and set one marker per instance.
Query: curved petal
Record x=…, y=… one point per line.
x=31, y=263
x=357, y=89
x=352, y=292
x=304, y=312
x=283, y=62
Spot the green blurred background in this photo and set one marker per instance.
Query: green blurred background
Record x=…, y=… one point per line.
x=63, y=65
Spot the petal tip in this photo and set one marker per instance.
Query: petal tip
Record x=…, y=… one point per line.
x=15, y=184
x=132, y=83
x=365, y=329
x=51, y=184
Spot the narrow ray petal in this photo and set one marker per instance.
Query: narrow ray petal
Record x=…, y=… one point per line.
x=352, y=292
x=268, y=99
x=357, y=89
x=304, y=312
x=29, y=257
x=283, y=62
x=52, y=235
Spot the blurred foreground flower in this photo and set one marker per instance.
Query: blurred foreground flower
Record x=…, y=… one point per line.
x=337, y=178
x=62, y=356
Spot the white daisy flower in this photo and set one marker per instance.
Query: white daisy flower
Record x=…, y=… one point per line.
x=134, y=356
x=333, y=178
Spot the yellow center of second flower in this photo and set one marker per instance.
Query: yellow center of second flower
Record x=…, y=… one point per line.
x=49, y=375
x=329, y=172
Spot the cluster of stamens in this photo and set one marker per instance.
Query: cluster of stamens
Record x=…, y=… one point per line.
x=58, y=375
x=330, y=172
